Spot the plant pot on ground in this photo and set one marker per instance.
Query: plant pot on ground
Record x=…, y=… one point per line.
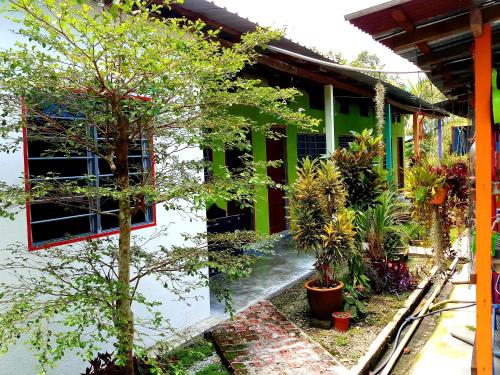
x=323, y=301
x=322, y=225
x=341, y=320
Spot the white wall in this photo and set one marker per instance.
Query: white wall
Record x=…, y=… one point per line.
x=181, y=314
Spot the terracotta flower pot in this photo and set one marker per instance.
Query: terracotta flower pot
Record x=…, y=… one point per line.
x=341, y=320
x=439, y=197
x=324, y=301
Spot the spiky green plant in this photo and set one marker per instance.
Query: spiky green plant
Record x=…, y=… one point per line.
x=320, y=223
x=331, y=187
x=307, y=213
x=381, y=226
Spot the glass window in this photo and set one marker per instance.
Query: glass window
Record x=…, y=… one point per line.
x=344, y=140
x=343, y=106
x=78, y=216
x=364, y=109
x=312, y=145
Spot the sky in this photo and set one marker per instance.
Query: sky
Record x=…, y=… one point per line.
x=320, y=24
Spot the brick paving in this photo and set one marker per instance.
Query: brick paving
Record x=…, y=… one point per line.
x=260, y=340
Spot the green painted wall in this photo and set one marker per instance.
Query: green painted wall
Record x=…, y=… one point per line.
x=397, y=130
x=344, y=124
x=353, y=121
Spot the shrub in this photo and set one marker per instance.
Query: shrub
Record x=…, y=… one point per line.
x=360, y=168
x=105, y=364
x=395, y=276
x=353, y=302
x=320, y=223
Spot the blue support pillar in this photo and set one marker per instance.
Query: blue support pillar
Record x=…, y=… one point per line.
x=388, y=141
x=440, y=139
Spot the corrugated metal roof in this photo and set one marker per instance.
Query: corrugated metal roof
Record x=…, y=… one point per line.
x=211, y=11
x=240, y=23
x=379, y=22
x=433, y=35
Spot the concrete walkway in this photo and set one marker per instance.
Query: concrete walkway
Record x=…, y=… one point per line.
x=270, y=274
x=443, y=353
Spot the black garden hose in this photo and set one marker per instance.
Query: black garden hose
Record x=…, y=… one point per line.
x=411, y=319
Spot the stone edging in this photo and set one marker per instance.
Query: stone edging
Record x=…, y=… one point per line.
x=383, y=338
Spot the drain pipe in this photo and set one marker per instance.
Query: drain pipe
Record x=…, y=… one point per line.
x=399, y=349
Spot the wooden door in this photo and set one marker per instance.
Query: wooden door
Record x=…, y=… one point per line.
x=401, y=163
x=243, y=215
x=275, y=150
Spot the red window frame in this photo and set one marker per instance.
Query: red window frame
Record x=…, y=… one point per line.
x=31, y=246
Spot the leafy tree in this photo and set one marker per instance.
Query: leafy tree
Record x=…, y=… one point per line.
x=367, y=59
x=127, y=73
x=425, y=90
x=370, y=60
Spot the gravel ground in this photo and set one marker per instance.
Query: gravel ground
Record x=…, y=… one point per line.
x=213, y=359
x=348, y=346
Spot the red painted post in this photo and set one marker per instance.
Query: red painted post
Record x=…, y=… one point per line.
x=484, y=151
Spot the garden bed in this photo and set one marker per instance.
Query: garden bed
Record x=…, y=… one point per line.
x=347, y=347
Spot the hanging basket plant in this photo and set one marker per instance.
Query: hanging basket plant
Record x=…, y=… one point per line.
x=439, y=196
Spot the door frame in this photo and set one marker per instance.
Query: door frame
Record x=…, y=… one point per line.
x=400, y=161
x=284, y=165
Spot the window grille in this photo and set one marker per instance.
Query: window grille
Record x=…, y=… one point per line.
x=312, y=145
x=344, y=140
x=77, y=216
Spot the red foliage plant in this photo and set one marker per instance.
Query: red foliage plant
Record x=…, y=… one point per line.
x=105, y=364
x=396, y=276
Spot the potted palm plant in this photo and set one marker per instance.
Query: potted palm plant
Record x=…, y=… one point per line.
x=321, y=224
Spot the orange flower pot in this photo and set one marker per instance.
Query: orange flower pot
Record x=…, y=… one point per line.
x=439, y=197
x=324, y=301
x=341, y=320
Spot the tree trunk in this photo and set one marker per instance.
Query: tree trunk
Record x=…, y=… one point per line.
x=125, y=321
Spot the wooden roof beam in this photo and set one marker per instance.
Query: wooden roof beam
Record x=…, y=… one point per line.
x=476, y=22
x=439, y=30
x=316, y=77
x=404, y=21
x=424, y=48
x=458, y=51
